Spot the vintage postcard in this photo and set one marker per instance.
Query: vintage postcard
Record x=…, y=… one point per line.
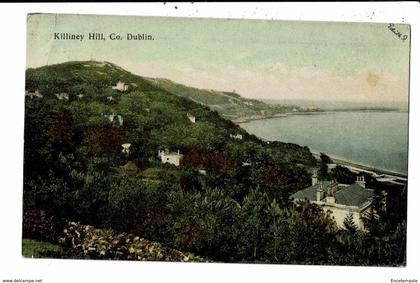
x=216, y=140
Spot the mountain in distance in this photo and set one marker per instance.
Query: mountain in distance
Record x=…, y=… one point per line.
x=229, y=104
x=342, y=105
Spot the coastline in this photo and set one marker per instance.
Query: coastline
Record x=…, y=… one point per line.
x=359, y=167
x=381, y=174
x=246, y=119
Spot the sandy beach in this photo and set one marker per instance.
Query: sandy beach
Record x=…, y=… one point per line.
x=357, y=167
x=246, y=119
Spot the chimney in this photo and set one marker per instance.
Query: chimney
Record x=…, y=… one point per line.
x=314, y=179
x=361, y=181
x=319, y=194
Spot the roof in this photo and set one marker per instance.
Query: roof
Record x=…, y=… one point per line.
x=309, y=193
x=353, y=195
x=172, y=154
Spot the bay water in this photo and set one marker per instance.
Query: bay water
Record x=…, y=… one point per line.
x=374, y=138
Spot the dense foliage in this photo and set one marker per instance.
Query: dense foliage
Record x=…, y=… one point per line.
x=238, y=210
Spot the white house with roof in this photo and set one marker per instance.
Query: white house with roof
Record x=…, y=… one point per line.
x=236, y=136
x=340, y=199
x=191, y=118
x=126, y=148
x=115, y=118
x=62, y=96
x=33, y=94
x=170, y=157
x=120, y=86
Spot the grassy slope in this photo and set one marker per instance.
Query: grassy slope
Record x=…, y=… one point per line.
x=39, y=249
x=148, y=110
x=228, y=104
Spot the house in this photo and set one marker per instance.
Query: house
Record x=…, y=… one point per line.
x=80, y=96
x=120, y=86
x=237, y=136
x=110, y=98
x=33, y=94
x=170, y=157
x=115, y=118
x=62, y=95
x=340, y=199
x=126, y=148
x=331, y=166
x=191, y=118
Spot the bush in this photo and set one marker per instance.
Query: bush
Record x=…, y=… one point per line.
x=38, y=225
x=86, y=241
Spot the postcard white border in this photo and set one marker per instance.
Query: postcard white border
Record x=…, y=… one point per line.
x=12, y=58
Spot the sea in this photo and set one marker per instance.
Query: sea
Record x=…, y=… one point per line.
x=375, y=138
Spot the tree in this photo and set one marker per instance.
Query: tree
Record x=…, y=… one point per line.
x=325, y=158
x=254, y=217
x=323, y=170
x=343, y=175
x=278, y=235
x=350, y=225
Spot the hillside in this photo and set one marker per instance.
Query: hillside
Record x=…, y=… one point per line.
x=78, y=120
x=111, y=150
x=229, y=104
x=90, y=85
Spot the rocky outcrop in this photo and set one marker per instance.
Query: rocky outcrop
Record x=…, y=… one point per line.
x=87, y=242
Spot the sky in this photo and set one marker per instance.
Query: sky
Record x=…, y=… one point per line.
x=265, y=59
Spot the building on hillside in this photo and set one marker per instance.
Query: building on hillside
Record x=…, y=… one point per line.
x=170, y=157
x=126, y=148
x=237, y=136
x=120, y=86
x=115, y=118
x=62, y=96
x=191, y=118
x=330, y=167
x=340, y=199
x=33, y=94
x=110, y=98
x=80, y=96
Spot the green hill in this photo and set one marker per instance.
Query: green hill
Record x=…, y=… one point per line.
x=75, y=167
x=229, y=104
x=152, y=118
x=101, y=75
x=93, y=132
